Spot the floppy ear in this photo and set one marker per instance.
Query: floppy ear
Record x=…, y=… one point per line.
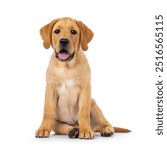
x=45, y=33
x=86, y=35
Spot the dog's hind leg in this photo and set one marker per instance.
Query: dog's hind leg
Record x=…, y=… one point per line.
x=99, y=122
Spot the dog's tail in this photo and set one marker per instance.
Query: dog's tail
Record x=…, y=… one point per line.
x=121, y=130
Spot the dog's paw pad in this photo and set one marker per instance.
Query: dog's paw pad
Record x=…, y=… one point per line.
x=73, y=133
x=105, y=134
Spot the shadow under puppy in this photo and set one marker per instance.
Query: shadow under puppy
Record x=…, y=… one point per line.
x=69, y=108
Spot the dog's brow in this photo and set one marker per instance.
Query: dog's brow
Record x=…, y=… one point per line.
x=73, y=26
x=59, y=26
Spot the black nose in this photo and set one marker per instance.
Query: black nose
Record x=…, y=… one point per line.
x=63, y=41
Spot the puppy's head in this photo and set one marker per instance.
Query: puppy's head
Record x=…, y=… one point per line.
x=66, y=36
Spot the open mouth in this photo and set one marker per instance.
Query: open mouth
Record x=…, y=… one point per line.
x=64, y=55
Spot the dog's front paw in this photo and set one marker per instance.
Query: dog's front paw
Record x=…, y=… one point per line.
x=107, y=131
x=86, y=134
x=42, y=133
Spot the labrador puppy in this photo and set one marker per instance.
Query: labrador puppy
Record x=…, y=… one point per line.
x=69, y=108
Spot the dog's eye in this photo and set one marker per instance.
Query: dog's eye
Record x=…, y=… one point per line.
x=73, y=32
x=57, y=31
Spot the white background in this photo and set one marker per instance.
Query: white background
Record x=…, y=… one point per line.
x=121, y=56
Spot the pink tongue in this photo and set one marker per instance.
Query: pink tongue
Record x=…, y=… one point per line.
x=63, y=56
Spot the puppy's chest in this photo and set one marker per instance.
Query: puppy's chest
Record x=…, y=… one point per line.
x=67, y=109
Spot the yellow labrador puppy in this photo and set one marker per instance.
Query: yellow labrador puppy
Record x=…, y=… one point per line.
x=69, y=108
